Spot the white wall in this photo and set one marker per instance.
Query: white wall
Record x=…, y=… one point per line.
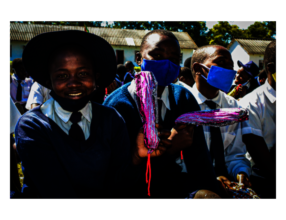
x=255, y=58
x=186, y=54
x=17, y=49
x=238, y=53
x=129, y=53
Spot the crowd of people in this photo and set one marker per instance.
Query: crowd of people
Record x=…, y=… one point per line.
x=77, y=132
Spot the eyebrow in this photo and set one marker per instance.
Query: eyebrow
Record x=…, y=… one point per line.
x=79, y=68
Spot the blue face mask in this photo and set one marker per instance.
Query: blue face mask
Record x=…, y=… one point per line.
x=219, y=77
x=164, y=71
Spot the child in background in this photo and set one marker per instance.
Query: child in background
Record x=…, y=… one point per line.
x=21, y=84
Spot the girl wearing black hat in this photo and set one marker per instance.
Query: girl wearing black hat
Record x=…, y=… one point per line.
x=71, y=147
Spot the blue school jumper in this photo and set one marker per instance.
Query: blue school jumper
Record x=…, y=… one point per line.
x=171, y=176
x=56, y=166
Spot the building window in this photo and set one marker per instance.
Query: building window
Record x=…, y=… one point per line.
x=181, y=58
x=260, y=64
x=10, y=50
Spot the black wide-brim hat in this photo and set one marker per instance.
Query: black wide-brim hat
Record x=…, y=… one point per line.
x=37, y=51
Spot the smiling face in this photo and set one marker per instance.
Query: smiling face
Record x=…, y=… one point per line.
x=161, y=47
x=72, y=74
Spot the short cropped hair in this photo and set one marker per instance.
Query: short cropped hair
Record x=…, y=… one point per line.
x=187, y=62
x=200, y=56
x=270, y=53
x=121, y=69
x=157, y=31
x=129, y=64
x=186, y=73
x=17, y=63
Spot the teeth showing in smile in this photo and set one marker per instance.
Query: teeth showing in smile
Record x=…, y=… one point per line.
x=77, y=94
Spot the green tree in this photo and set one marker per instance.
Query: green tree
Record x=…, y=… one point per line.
x=194, y=28
x=223, y=32
x=257, y=30
x=271, y=26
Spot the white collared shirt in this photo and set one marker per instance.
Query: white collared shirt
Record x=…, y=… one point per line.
x=234, y=148
x=26, y=87
x=262, y=106
x=180, y=83
x=164, y=97
x=38, y=95
x=54, y=111
x=14, y=116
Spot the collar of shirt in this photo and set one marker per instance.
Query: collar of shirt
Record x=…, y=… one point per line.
x=48, y=109
x=269, y=92
x=65, y=115
x=201, y=99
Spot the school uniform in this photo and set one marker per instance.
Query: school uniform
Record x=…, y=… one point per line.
x=172, y=177
x=233, y=147
x=128, y=78
x=180, y=83
x=25, y=84
x=262, y=118
x=38, y=95
x=57, y=166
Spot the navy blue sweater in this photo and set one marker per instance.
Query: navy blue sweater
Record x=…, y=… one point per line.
x=56, y=166
x=171, y=177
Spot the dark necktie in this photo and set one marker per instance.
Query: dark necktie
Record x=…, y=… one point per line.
x=75, y=131
x=19, y=91
x=216, y=146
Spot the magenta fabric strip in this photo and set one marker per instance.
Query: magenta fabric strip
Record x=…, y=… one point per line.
x=217, y=118
x=146, y=92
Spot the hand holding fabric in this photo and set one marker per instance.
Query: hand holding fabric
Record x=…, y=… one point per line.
x=181, y=137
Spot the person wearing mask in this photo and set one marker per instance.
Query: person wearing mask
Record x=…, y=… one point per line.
x=212, y=68
x=71, y=147
x=262, y=106
x=21, y=84
x=172, y=176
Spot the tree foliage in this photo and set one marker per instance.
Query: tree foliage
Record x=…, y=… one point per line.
x=221, y=33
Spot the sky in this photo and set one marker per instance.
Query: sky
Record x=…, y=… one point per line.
x=240, y=24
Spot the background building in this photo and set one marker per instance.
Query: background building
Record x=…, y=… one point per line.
x=246, y=50
x=125, y=42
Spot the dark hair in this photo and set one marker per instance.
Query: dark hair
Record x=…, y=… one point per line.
x=157, y=31
x=270, y=53
x=262, y=74
x=187, y=62
x=186, y=72
x=121, y=69
x=17, y=63
x=200, y=56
